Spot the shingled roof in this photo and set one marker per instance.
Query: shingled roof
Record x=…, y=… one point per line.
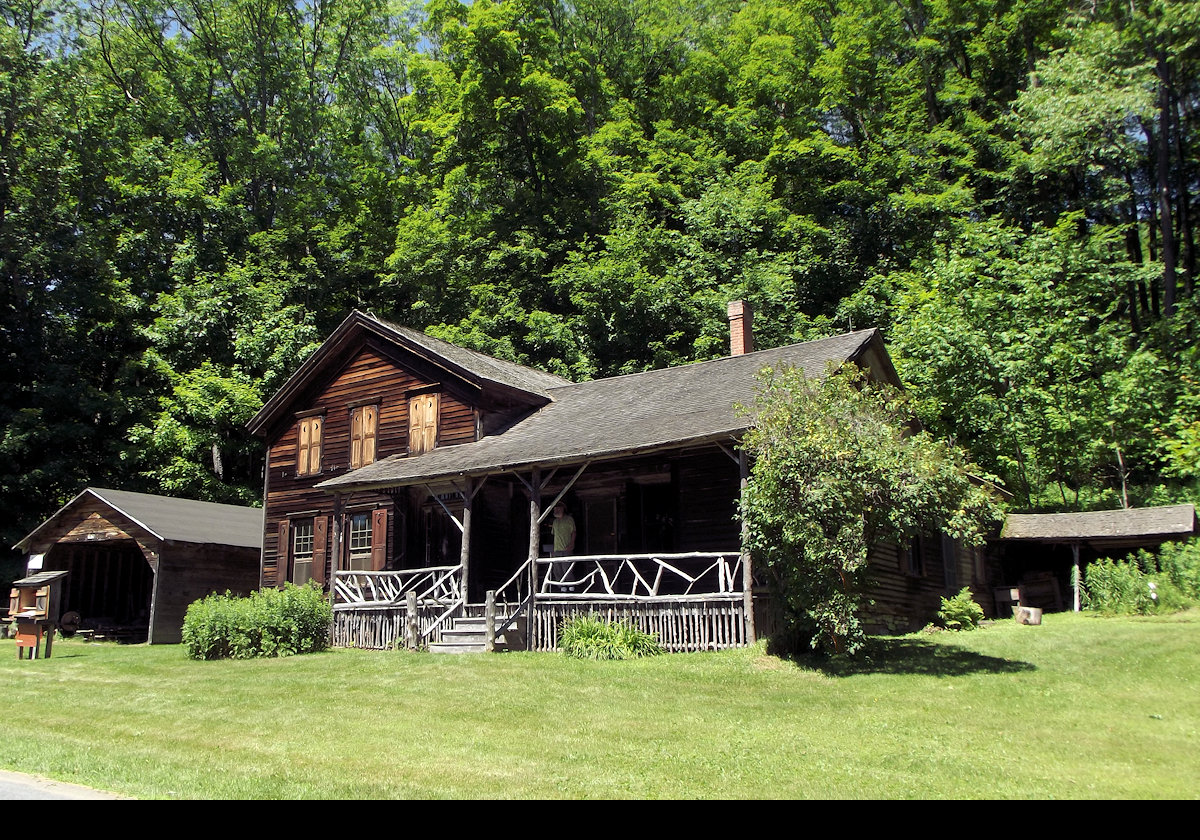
x=181, y=520
x=623, y=415
x=1109, y=528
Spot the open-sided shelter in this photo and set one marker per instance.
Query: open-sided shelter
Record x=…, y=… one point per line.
x=137, y=560
x=412, y=476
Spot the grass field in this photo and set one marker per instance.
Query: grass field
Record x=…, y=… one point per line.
x=1079, y=707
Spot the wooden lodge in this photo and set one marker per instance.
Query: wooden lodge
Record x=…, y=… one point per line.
x=134, y=561
x=417, y=481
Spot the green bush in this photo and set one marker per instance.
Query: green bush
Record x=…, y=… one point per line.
x=1140, y=585
x=590, y=637
x=270, y=622
x=960, y=612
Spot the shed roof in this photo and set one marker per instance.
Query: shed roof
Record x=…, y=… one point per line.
x=181, y=520
x=1112, y=528
x=622, y=415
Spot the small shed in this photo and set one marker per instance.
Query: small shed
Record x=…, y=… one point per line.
x=1040, y=549
x=136, y=560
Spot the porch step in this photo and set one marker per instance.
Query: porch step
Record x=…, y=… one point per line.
x=469, y=635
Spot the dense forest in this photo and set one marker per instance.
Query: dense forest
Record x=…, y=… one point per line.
x=193, y=193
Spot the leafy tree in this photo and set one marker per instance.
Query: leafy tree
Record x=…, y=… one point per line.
x=838, y=470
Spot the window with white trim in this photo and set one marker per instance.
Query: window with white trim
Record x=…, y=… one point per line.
x=302, y=551
x=360, y=542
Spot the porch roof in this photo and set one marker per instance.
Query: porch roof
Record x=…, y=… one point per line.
x=623, y=415
x=1105, y=528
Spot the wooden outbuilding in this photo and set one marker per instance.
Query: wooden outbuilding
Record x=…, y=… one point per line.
x=136, y=561
x=1040, y=556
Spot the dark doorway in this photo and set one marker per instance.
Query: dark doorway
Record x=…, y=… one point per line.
x=110, y=585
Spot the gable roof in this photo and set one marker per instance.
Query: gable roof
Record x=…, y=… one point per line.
x=515, y=381
x=181, y=520
x=623, y=415
x=1134, y=526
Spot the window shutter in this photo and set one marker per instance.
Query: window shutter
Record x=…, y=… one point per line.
x=356, y=438
x=314, y=447
x=422, y=423
x=320, y=530
x=370, y=424
x=303, y=446
x=379, y=523
x=281, y=553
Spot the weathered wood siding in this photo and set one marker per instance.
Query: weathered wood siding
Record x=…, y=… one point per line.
x=371, y=374
x=188, y=572
x=709, y=487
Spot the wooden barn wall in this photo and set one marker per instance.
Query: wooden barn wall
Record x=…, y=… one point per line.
x=91, y=520
x=188, y=572
x=370, y=375
x=709, y=486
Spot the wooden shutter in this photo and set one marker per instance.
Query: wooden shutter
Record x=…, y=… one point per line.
x=282, y=552
x=303, y=446
x=363, y=423
x=314, y=448
x=356, y=438
x=422, y=423
x=379, y=527
x=320, y=531
x=370, y=425
x=308, y=448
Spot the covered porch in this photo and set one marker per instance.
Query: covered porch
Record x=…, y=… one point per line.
x=658, y=545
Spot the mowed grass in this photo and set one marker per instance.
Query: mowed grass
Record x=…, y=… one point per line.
x=1079, y=707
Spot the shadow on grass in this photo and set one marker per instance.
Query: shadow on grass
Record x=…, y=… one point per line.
x=914, y=656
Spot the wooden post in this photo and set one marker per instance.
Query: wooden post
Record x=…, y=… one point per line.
x=413, y=626
x=335, y=562
x=1076, y=575
x=747, y=569
x=465, y=554
x=489, y=621
x=535, y=515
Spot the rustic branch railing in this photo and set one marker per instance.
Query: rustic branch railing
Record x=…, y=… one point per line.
x=512, y=598
x=433, y=585
x=641, y=576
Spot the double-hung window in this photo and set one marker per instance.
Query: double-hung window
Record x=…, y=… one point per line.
x=360, y=542
x=302, y=551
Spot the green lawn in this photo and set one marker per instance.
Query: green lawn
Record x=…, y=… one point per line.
x=1080, y=707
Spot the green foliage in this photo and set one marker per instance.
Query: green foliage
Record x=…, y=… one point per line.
x=838, y=470
x=270, y=622
x=591, y=637
x=1144, y=583
x=960, y=612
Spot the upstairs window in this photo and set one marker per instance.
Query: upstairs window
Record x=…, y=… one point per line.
x=422, y=423
x=364, y=422
x=308, y=450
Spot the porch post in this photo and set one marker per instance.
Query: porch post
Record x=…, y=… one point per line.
x=1076, y=575
x=747, y=570
x=535, y=516
x=335, y=561
x=465, y=554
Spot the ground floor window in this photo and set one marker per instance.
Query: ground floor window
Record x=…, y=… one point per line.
x=360, y=542
x=302, y=551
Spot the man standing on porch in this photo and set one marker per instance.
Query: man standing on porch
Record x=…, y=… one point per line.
x=563, y=528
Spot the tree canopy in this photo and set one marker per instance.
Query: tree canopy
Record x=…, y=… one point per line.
x=838, y=469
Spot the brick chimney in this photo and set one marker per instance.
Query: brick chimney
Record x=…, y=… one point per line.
x=741, y=328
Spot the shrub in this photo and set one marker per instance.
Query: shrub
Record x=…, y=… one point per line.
x=960, y=612
x=591, y=637
x=1138, y=586
x=271, y=622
